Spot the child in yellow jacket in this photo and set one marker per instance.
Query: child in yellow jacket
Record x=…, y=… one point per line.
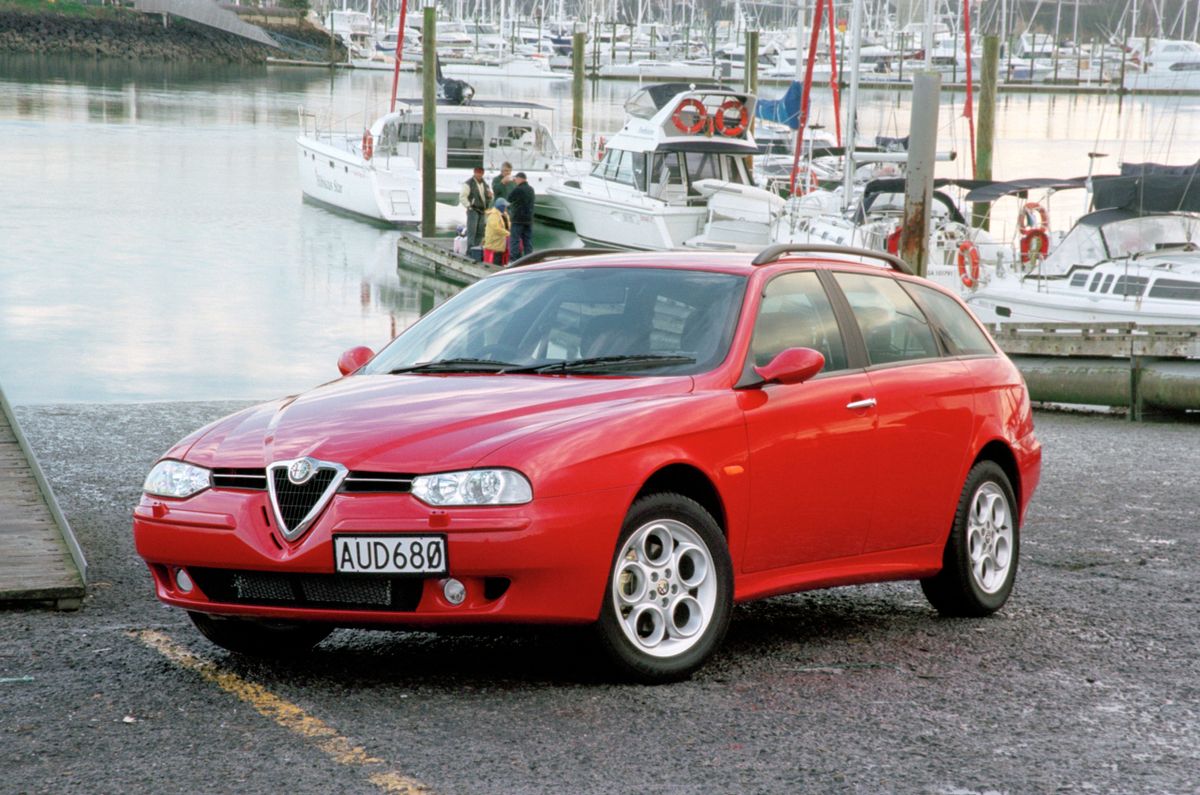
x=495, y=234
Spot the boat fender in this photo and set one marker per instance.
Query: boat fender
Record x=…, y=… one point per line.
x=720, y=118
x=893, y=241
x=368, y=145
x=695, y=106
x=968, y=264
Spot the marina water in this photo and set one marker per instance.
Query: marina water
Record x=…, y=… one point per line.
x=154, y=245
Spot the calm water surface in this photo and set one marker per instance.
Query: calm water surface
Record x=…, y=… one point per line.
x=154, y=245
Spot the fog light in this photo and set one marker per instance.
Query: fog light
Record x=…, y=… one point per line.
x=182, y=581
x=454, y=591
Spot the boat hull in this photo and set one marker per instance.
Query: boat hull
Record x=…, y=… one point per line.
x=624, y=222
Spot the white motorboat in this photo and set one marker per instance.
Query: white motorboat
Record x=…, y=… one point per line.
x=659, y=70
x=376, y=172
x=643, y=194
x=1167, y=64
x=1113, y=266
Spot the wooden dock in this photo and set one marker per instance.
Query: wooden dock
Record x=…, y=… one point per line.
x=40, y=560
x=434, y=255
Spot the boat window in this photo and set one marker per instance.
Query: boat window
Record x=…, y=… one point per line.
x=703, y=165
x=1095, y=282
x=1176, y=289
x=602, y=163
x=893, y=327
x=666, y=179
x=464, y=143
x=507, y=134
x=1130, y=285
x=958, y=330
x=624, y=171
x=1080, y=279
x=1107, y=283
x=796, y=313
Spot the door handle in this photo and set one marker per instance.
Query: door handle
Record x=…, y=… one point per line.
x=867, y=403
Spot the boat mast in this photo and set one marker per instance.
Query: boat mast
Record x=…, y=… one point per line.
x=852, y=104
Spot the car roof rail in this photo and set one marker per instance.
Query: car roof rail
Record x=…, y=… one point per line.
x=773, y=253
x=558, y=253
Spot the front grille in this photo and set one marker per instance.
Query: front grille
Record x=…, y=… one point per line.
x=401, y=594
x=295, y=501
x=387, y=482
x=255, y=479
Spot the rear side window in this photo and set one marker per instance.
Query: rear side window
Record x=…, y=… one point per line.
x=796, y=313
x=893, y=327
x=960, y=332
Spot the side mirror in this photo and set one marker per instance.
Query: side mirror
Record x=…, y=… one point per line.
x=791, y=366
x=354, y=358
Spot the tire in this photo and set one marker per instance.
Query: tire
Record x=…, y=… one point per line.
x=260, y=638
x=979, y=565
x=670, y=590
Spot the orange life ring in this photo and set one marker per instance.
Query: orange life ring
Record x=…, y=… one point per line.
x=697, y=107
x=743, y=118
x=1027, y=248
x=368, y=145
x=1029, y=212
x=968, y=264
x=893, y=241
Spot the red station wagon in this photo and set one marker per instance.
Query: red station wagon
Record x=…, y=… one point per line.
x=631, y=441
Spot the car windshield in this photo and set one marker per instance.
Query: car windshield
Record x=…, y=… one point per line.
x=586, y=320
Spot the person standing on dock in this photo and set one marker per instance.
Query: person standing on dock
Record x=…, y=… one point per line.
x=476, y=197
x=495, y=237
x=520, y=212
x=503, y=183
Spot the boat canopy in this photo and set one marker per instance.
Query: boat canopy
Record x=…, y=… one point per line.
x=991, y=191
x=878, y=187
x=648, y=101
x=1119, y=233
x=1152, y=193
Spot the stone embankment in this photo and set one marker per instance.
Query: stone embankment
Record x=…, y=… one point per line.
x=126, y=34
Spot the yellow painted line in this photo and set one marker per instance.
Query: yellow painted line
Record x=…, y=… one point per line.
x=286, y=714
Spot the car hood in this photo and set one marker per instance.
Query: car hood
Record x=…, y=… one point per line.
x=414, y=423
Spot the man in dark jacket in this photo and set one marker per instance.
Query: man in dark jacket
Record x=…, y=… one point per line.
x=476, y=197
x=520, y=212
x=503, y=183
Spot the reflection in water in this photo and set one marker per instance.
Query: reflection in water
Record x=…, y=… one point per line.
x=154, y=246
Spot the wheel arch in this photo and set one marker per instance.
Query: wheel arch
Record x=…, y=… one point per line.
x=1002, y=455
x=691, y=482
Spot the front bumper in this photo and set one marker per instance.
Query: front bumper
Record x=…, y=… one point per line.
x=544, y=562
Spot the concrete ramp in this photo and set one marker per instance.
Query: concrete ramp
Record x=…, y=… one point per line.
x=40, y=560
x=207, y=12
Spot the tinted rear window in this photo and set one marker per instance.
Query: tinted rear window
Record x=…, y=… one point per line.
x=958, y=329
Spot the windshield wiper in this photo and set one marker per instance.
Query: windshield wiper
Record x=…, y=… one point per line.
x=461, y=365
x=602, y=363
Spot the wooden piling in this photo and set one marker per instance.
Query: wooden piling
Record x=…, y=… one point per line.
x=429, y=128
x=985, y=130
x=751, y=68
x=922, y=154
x=578, y=42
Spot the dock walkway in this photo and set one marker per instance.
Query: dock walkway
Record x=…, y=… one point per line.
x=40, y=560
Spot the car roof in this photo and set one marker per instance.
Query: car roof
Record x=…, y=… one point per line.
x=740, y=263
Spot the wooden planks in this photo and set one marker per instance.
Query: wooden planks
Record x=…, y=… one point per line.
x=39, y=558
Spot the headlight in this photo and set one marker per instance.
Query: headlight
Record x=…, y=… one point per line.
x=473, y=487
x=176, y=479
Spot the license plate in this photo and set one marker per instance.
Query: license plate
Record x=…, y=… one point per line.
x=375, y=554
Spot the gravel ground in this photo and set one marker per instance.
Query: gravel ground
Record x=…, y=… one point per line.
x=1086, y=682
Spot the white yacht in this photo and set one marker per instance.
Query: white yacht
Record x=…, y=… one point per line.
x=1167, y=64
x=376, y=172
x=1113, y=266
x=643, y=194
